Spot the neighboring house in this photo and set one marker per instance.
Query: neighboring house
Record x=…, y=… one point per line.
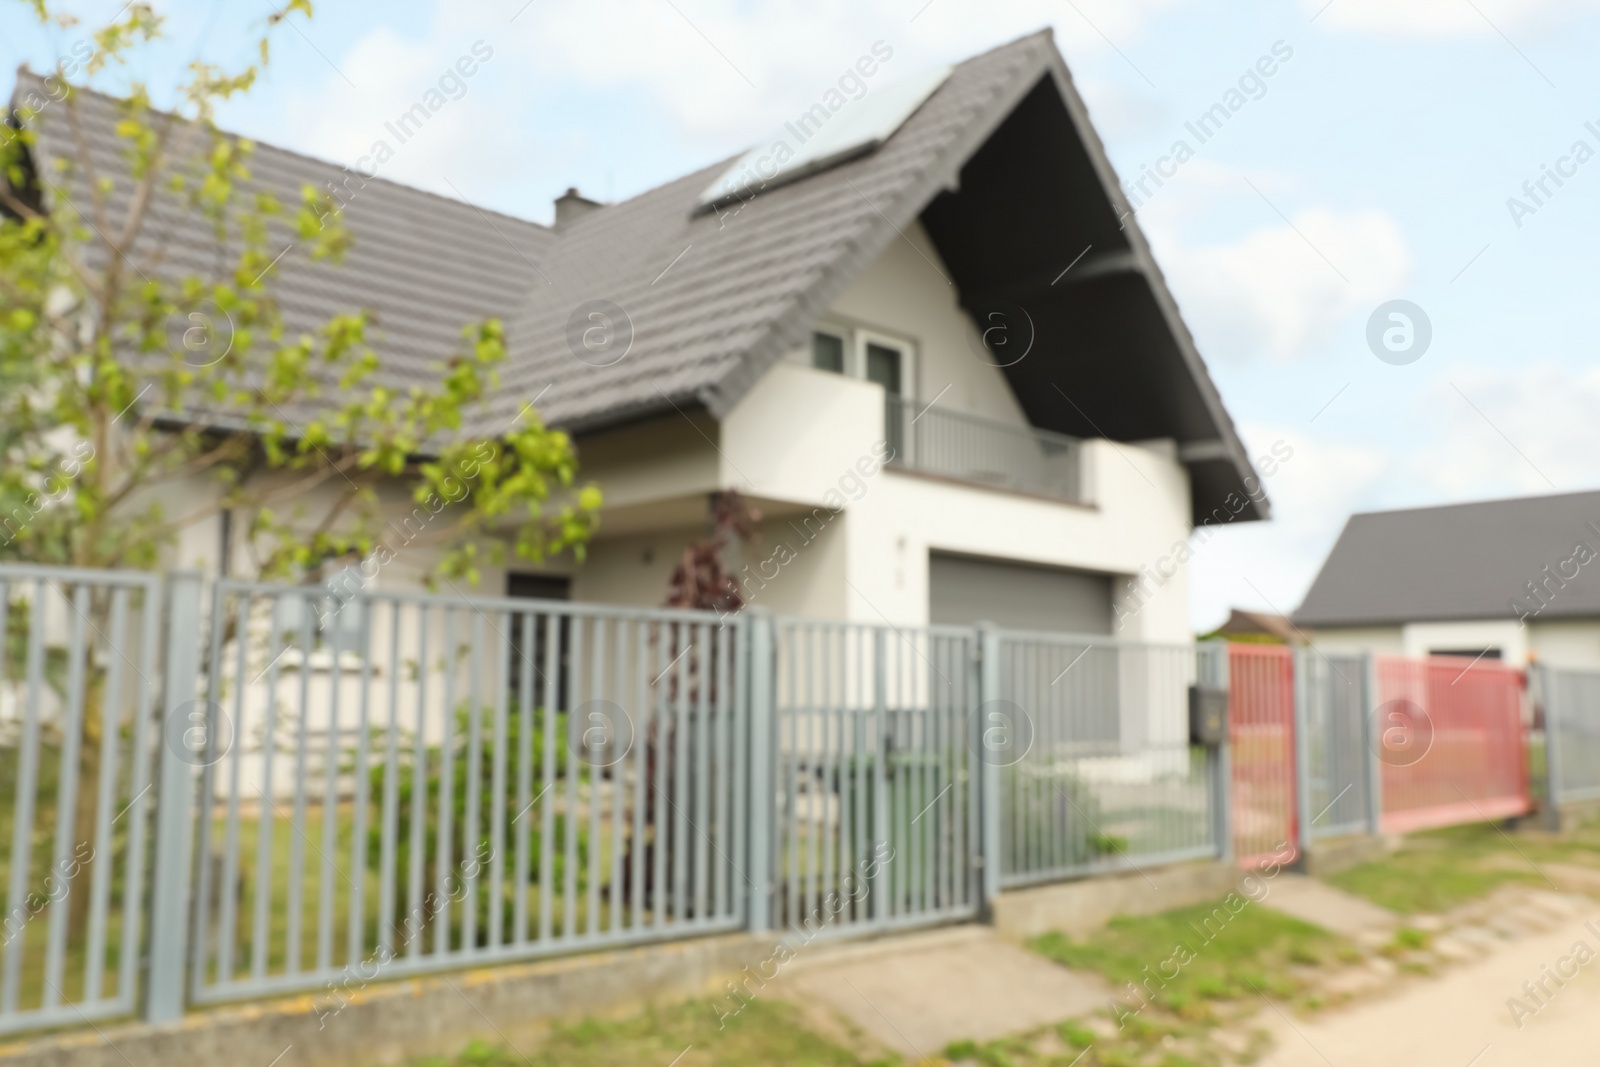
x=1512, y=579
x=1257, y=627
x=815, y=344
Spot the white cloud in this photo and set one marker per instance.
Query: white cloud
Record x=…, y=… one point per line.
x=1440, y=18
x=729, y=72
x=1511, y=431
x=391, y=74
x=1282, y=290
x=1268, y=566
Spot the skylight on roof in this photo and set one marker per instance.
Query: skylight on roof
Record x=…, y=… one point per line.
x=819, y=137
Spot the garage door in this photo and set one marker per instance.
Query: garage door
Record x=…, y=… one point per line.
x=963, y=590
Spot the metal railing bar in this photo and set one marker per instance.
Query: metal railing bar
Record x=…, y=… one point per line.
x=67, y=797
x=145, y=580
x=327, y=889
x=101, y=858
x=589, y=765
x=356, y=934
x=547, y=809
x=419, y=794
x=497, y=812
x=226, y=926
x=390, y=825
x=474, y=793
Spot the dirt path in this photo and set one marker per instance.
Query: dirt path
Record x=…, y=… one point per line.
x=1461, y=1018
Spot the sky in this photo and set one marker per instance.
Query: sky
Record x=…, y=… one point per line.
x=1384, y=159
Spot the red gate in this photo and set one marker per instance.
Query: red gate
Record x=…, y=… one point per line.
x=1261, y=735
x=1450, y=738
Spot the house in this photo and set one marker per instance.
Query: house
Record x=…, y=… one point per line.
x=934, y=351
x=1256, y=627
x=1506, y=579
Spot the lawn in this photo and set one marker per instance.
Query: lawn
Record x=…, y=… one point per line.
x=1442, y=869
x=1188, y=957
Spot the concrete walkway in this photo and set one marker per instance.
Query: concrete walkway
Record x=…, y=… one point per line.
x=916, y=993
x=1332, y=909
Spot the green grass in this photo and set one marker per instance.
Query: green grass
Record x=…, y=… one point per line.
x=765, y=1032
x=1439, y=870
x=1229, y=956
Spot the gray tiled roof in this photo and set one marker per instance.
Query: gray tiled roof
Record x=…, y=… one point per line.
x=1461, y=561
x=423, y=265
x=748, y=283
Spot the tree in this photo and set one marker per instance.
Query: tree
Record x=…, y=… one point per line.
x=99, y=411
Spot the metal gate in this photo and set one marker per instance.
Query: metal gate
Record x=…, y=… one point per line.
x=1571, y=700
x=78, y=725
x=1338, y=787
x=1451, y=741
x=400, y=783
x=873, y=776
x=1105, y=779
x=1261, y=732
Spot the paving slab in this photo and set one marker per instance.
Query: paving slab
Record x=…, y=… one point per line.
x=1332, y=909
x=915, y=994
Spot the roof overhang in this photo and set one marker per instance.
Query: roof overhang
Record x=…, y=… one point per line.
x=1037, y=230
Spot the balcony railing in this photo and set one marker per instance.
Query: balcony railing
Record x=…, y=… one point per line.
x=971, y=448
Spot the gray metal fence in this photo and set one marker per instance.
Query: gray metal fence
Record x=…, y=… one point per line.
x=403, y=783
x=873, y=800
x=78, y=680
x=228, y=789
x=1571, y=701
x=1099, y=774
x=1335, y=751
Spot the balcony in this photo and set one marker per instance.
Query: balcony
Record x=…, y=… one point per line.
x=970, y=448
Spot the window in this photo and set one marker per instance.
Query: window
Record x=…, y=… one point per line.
x=338, y=614
x=344, y=619
x=827, y=352
x=883, y=367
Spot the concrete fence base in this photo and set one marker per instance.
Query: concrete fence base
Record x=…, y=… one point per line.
x=1334, y=854
x=1079, y=907
x=392, y=1021
x=1570, y=814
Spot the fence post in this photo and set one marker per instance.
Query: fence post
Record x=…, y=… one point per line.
x=988, y=771
x=1302, y=665
x=1212, y=671
x=169, y=896
x=882, y=881
x=1544, y=678
x=763, y=706
x=1369, y=707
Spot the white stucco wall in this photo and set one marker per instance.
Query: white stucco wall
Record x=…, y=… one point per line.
x=906, y=295
x=1422, y=638
x=801, y=435
x=1565, y=643
x=1351, y=641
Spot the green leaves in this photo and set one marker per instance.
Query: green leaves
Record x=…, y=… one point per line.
x=138, y=399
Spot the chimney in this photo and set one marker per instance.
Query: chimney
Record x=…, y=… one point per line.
x=570, y=206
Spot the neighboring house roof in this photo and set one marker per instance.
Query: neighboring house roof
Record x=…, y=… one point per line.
x=1462, y=561
x=1000, y=164
x=1257, y=623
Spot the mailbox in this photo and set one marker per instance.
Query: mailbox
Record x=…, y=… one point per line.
x=1208, y=715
